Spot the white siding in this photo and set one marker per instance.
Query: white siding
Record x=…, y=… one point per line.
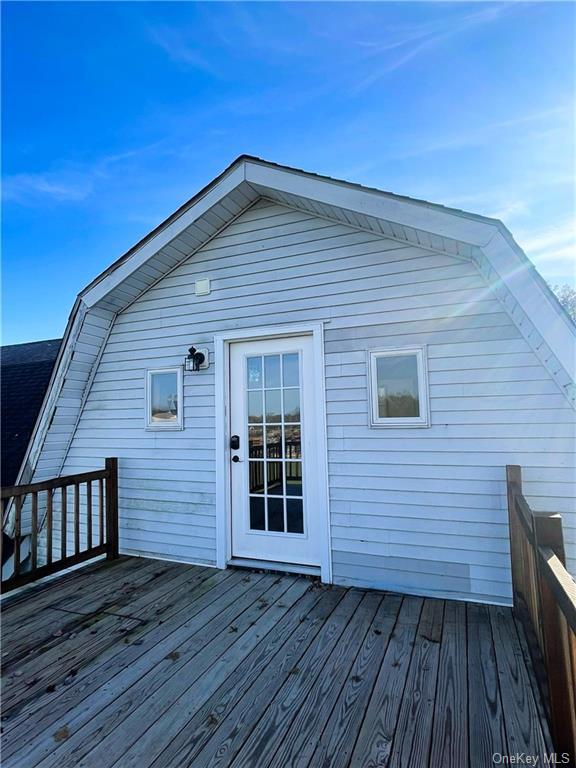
x=418, y=510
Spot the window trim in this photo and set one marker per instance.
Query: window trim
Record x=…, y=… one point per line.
x=423, y=394
x=156, y=426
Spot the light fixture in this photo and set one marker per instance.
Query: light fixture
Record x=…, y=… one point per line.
x=196, y=360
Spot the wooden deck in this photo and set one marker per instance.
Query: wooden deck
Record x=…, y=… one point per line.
x=140, y=663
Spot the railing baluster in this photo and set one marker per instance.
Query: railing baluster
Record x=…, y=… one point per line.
x=72, y=548
x=101, y=511
x=49, y=523
x=17, y=533
x=89, y=514
x=76, y=518
x=63, y=523
x=34, y=540
x=112, y=508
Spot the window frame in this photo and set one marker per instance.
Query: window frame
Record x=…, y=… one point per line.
x=423, y=393
x=156, y=426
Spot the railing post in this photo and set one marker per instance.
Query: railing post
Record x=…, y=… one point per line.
x=112, y=508
x=514, y=484
x=557, y=640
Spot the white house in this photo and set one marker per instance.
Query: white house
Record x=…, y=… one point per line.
x=372, y=363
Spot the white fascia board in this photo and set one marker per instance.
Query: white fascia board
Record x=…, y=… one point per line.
x=233, y=179
x=519, y=276
x=415, y=214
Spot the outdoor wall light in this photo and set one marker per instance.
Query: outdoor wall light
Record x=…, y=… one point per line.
x=197, y=359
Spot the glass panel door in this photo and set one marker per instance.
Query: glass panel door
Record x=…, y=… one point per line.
x=274, y=428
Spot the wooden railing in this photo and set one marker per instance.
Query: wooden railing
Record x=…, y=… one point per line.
x=92, y=523
x=545, y=601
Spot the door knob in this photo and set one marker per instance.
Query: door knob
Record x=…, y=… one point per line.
x=235, y=459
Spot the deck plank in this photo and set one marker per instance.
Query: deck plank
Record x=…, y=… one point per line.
x=336, y=744
x=273, y=717
x=414, y=728
x=237, y=668
x=159, y=718
x=63, y=620
x=271, y=659
x=450, y=732
x=521, y=717
x=112, y=707
x=149, y=641
x=487, y=734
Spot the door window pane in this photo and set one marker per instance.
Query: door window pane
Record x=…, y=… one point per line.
x=273, y=405
x=275, y=478
x=290, y=370
x=275, y=514
x=164, y=397
x=256, y=472
x=292, y=441
x=255, y=407
x=273, y=442
x=291, y=405
x=397, y=386
x=272, y=371
x=254, y=373
x=294, y=516
x=275, y=490
x=257, y=515
x=256, y=442
x=294, y=478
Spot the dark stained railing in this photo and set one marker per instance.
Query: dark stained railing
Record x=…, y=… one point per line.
x=93, y=527
x=545, y=601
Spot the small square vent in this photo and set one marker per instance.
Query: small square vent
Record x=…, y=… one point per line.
x=202, y=287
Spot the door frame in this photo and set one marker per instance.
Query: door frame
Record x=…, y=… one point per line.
x=222, y=342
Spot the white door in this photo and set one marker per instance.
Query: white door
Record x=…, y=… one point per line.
x=273, y=452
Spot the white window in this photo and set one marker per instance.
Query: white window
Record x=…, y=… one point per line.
x=398, y=388
x=164, y=408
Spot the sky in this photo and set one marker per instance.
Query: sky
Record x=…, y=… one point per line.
x=115, y=113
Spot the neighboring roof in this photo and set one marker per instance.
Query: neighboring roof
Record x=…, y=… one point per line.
x=435, y=228
x=25, y=371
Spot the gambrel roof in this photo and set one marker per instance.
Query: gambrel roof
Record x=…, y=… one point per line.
x=509, y=274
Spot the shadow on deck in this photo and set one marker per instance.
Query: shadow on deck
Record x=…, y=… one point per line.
x=144, y=663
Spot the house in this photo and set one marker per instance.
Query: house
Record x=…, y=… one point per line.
x=25, y=371
x=301, y=373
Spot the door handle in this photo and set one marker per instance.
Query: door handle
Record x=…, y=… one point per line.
x=235, y=459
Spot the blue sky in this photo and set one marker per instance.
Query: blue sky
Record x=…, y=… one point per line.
x=116, y=113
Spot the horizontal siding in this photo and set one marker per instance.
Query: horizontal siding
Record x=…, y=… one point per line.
x=418, y=510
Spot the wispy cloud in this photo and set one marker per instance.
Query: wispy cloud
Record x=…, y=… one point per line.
x=552, y=243
x=480, y=135
x=180, y=48
x=60, y=186
x=408, y=42
x=66, y=184
x=552, y=250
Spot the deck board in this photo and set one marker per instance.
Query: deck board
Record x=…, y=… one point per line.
x=144, y=664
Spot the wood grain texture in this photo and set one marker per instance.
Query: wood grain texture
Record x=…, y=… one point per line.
x=414, y=728
x=487, y=734
x=374, y=743
x=450, y=731
x=233, y=668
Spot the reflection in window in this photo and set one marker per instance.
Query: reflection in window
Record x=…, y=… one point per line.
x=397, y=380
x=398, y=390
x=275, y=443
x=164, y=398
